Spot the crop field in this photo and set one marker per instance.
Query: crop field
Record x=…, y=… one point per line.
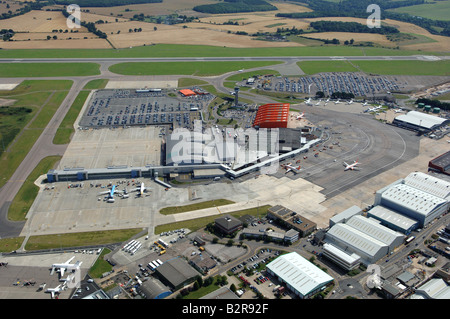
x=185, y=68
x=438, y=10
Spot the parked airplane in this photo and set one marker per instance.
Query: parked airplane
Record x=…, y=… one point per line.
x=350, y=102
x=398, y=111
x=65, y=266
x=308, y=101
x=365, y=104
x=374, y=109
x=111, y=192
x=142, y=189
x=301, y=116
x=288, y=167
x=351, y=166
x=56, y=290
x=337, y=102
x=326, y=102
x=318, y=103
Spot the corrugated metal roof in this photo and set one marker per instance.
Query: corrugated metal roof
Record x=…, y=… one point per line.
x=374, y=229
x=429, y=184
x=412, y=198
x=357, y=239
x=421, y=119
x=348, y=258
x=392, y=217
x=299, y=273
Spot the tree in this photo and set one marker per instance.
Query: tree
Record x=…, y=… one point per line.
x=233, y=288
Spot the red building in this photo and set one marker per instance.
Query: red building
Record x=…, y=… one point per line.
x=272, y=115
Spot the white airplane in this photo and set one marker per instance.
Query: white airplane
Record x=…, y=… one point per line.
x=365, y=104
x=373, y=109
x=288, y=167
x=65, y=266
x=111, y=192
x=350, y=102
x=308, y=101
x=337, y=102
x=318, y=103
x=326, y=102
x=398, y=111
x=141, y=189
x=56, y=290
x=301, y=116
x=352, y=166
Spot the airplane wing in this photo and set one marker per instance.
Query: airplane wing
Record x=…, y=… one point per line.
x=68, y=262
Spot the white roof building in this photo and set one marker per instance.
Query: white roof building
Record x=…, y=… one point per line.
x=392, y=219
x=430, y=184
x=301, y=276
x=433, y=289
x=420, y=120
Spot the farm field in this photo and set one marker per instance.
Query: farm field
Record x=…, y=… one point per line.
x=185, y=68
x=438, y=10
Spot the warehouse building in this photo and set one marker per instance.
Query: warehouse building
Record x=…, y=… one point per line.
x=272, y=115
x=299, y=275
x=154, y=289
x=420, y=122
x=176, y=273
x=419, y=196
x=393, y=220
x=345, y=215
x=433, y=289
x=440, y=164
x=363, y=237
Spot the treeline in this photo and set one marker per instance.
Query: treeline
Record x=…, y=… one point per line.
x=358, y=9
x=340, y=26
x=105, y=3
x=434, y=103
x=234, y=6
x=38, y=5
x=90, y=26
x=6, y=34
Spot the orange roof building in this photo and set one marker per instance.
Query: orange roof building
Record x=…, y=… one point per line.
x=272, y=115
x=187, y=92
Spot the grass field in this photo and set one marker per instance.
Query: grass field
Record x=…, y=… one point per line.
x=8, y=245
x=80, y=239
x=19, y=133
x=66, y=129
x=405, y=67
x=185, y=68
x=174, y=50
x=101, y=265
x=196, y=206
x=9, y=70
x=379, y=67
x=28, y=192
x=197, y=223
x=313, y=67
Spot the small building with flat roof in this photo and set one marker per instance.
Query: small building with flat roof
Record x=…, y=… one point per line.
x=290, y=219
x=440, y=164
x=228, y=224
x=176, y=273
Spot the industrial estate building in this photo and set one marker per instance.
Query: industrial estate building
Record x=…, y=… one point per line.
x=290, y=219
x=176, y=273
x=356, y=237
x=299, y=275
x=440, y=164
x=420, y=122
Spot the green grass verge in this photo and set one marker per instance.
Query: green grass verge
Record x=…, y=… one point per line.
x=43, y=95
x=313, y=67
x=9, y=70
x=101, y=265
x=8, y=245
x=66, y=128
x=175, y=50
x=185, y=68
x=405, y=67
x=80, y=239
x=197, y=223
x=246, y=75
x=196, y=206
x=96, y=84
x=28, y=192
x=185, y=82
